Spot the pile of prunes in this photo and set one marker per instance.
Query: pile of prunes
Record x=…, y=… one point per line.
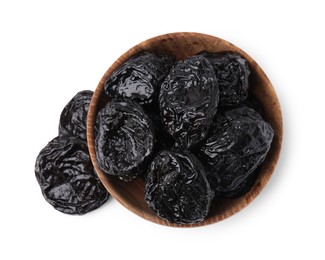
x=188, y=127
x=63, y=168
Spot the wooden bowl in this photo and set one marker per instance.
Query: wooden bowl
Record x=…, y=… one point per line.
x=182, y=45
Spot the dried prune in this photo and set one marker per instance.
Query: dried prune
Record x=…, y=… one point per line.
x=232, y=73
x=236, y=145
x=189, y=99
x=125, y=139
x=177, y=189
x=74, y=115
x=139, y=77
x=67, y=178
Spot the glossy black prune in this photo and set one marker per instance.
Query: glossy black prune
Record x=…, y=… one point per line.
x=125, y=139
x=188, y=100
x=67, y=178
x=232, y=73
x=73, y=117
x=177, y=189
x=139, y=78
x=236, y=145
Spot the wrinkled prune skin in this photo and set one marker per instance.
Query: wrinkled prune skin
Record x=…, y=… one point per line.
x=236, y=145
x=232, y=73
x=245, y=186
x=125, y=139
x=73, y=119
x=177, y=189
x=67, y=178
x=188, y=100
x=139, y=78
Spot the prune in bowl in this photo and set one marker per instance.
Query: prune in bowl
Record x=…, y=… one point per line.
x=123, y=128
x=183, y=45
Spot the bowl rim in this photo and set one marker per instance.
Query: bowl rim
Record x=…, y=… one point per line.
x=99, y=91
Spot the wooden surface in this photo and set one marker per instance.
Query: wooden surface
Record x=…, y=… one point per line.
x=182, y=45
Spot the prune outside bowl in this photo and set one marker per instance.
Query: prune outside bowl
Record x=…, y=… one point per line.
x=182, y=45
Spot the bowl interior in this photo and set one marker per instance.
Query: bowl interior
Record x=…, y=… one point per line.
x=182, y=45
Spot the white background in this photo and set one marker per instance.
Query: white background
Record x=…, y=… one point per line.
x=49, y=50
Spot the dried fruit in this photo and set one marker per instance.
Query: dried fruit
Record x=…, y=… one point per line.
x=67, y=178
x=74, y=115
x=125, y=139
x=177, y=188
x=232, y=73
x=139, y=77
x=189, y=100
x=236, y=145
